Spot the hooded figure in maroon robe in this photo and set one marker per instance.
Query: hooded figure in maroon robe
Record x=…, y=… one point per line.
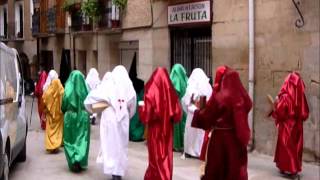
x=226, y=114
x=38, y=93
x=290, y=110
x=217, y=83
x=160, y=110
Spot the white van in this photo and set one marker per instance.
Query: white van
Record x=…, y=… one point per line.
x=13, y=123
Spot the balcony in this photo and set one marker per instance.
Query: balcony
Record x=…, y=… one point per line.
x=51, y=21
x=79, y=22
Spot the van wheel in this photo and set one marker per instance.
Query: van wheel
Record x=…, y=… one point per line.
x=5, y=173
x=22, y=156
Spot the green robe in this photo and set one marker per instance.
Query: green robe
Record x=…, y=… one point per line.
x=179, y=80
x=136, y=129
x=76, y=133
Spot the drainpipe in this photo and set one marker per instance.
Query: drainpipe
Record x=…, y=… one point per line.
x=251, y=68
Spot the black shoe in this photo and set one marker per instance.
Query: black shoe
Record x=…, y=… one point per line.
x=115, y=177
x=289, y=175
x=93, y=121
x=76, y=167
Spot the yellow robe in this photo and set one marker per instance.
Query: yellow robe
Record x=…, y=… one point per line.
x=52, y=99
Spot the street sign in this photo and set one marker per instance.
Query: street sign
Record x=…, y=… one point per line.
x=189, y=13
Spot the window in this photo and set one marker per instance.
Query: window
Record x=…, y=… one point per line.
x=109, y=13
x=19, y=19
x=3, y=21
x=8, y=73
x=192, y=48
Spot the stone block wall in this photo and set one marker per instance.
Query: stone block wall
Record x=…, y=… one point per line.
x=280, y=47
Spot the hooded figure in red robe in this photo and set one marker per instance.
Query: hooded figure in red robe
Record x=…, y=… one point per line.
x=226, y=114
x=290, y=110
x=160, y=110
x=38, y=93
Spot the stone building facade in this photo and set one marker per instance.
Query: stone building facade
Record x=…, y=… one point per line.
x=280, y=47
x=15, y=28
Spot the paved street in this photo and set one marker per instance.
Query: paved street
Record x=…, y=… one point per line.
x=40, y=165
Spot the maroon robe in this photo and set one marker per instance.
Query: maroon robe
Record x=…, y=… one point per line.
x=291, y=109
x=226, y=114
x=38, y=93
x=216, y=86
x=161, y=109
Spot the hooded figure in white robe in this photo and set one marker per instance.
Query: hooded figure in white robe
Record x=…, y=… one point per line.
x=117, y=90
x=93, y=81
x=51, y=76
x=198, y=85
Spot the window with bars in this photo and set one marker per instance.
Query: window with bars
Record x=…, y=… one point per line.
x=192, y=48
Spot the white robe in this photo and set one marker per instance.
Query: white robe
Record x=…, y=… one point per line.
x=198, y=85
x=114, y=125
x=93, y=79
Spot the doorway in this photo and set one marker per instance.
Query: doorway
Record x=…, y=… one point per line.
x=127, y=52
x=46, y=60
x=82, y=62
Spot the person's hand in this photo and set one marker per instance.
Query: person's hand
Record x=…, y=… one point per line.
x=197, y=104
x=191, y=99
x=192, y=108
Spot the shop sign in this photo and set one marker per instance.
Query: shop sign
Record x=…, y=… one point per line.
x=196, y=12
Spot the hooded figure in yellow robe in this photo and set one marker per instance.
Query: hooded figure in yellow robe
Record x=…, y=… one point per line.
x=52, y=99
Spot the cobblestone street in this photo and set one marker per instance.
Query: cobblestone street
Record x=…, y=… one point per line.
x=40, y=165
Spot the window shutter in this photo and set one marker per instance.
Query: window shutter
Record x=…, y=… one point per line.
x=115, y=13
x=1, y=21
x=31, y=12
x=17, y=19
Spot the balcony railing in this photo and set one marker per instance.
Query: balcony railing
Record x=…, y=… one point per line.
x=51, y=20
x=35, y=23
x=80, y=23
x=48, y=22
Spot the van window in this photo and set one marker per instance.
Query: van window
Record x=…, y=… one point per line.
x=2, y=74
x=9, y=74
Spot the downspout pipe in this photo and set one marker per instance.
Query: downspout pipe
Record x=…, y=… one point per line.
x=251, y=69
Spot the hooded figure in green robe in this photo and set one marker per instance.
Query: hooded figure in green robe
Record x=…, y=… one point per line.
x=136, y=128
x=76, y=135
x=179, y=80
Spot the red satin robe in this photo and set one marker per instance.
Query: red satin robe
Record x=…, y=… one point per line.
x=38, y=93
x=226, y=114
x=161, y=109
x=291, y=110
